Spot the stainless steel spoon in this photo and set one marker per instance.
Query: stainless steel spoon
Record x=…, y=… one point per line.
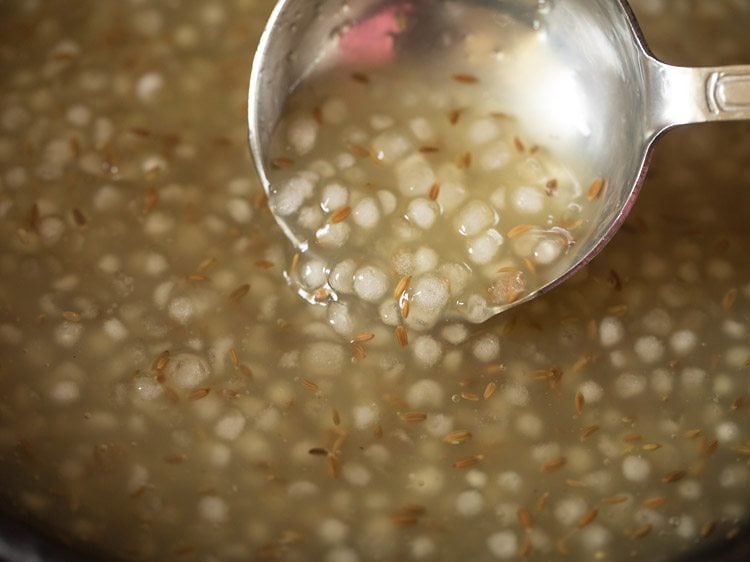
x=585, y=81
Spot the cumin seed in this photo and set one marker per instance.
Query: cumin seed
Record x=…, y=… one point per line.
x=587, y=518
x=674, y=476
x=340, y=215
x=465, y=78
x=596, y=188
x=457, y=437
x=413, y=417
x=554, y=464
x=466, y=462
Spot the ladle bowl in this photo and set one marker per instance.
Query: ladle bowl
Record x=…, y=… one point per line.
x=583, y=81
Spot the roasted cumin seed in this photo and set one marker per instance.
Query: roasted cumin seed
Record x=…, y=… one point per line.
x=554, y=464
x=674, y=476
x=413, y=416
x=239, y=293
x=340, y=215
x=457, y=437
x=596, y=188
x=588, y=518
x=465, y=78
x=402, y=337
x=466, y=462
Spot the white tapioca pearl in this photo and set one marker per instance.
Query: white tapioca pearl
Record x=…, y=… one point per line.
x=451, y=196
x=389, y=312
x=51, y=230
x=389, y=146
x=636, y=469
x=356, y=474
x=482, y=131
x=422, y=129
x=313, y=273
x=323, y=358
x=528, y=200
x=425, y=259
x=425, y=393
x=148, y=86
x=548, y=250
x=483, y=249
x=649, y=349
x=381, y=122
x=302, y=134
x=683, y=342
x=469, y=503
x=333, y=235
x=658, y=321
x=486, y=348
x=455, y=333
x=476, y=478
x=629, y=385
x=503, y=545
x=388, y=201
x=510, y=481
x=213, y=509
x=323, y=168
x=414, y=175
x=689, y=489
x=334, y=111
x=495, y=156
x=427, y=351
x=78, y=115
x=498, y=199
x=570, y=510
x=333, y=196
x=422, y=547
x=592, y=392
x=342, y=277
x=457, y=275
x=595, y=537
x=310, y=217
x=366, y=213
x=438, y=425
x=333, y=531
x=365, y=416
x=429, y=295
x=345, y=161
x=65, y=391
x=67, y=334
x=529, y=425
x=230, y=426
x=734, y=329
x=727, y=432
x=370, y=283
x=693, y=378
x=115, y=329
x=422, y=212
x=611, y=331
x=475, y=217
x=340, y=319
x=181, y=310
x=240, y=210
x=290, y=195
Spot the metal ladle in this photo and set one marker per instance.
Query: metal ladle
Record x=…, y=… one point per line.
x=585, y=82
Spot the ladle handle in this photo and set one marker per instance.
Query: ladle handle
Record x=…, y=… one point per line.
x=682, y=95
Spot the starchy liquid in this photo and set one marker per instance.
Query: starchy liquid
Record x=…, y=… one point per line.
x=165, y=395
